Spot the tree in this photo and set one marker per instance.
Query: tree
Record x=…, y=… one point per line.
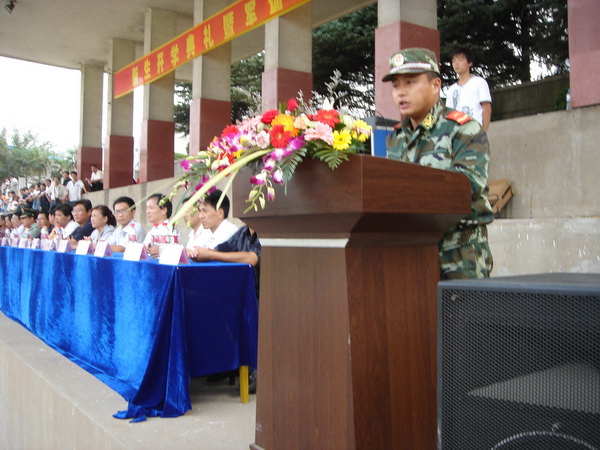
x=22, y=155
x=506, y=37
x=181, y=115
x=348, y=46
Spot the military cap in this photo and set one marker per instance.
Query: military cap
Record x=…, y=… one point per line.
x=412, y=60
x=26, y=212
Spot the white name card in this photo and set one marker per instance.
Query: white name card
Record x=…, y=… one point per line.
x=64, y=246
x=84, y=248
x=173, y=255
x=5, y=241
x=14, y=242
x=102, y=249
x=35, y=243
x=135, y=251
x=24, y=243
x=48, y=244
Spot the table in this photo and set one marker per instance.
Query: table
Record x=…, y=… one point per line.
x=140, y=327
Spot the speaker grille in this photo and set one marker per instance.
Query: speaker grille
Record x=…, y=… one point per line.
x=519, y=364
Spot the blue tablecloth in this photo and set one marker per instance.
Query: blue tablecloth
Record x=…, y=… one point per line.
x=140, y=327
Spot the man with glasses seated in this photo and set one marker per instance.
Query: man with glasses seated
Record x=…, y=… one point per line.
x=127, y=226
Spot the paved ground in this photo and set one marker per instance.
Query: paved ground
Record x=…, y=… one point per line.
x=46, y=401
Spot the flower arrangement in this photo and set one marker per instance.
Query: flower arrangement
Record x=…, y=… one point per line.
x=272, y=144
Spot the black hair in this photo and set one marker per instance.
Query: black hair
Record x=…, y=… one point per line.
x=213, y=200
x=85, y=203
x=65, y=209
x=124, y=199
x=167, y=204
x=106, y=212
x=464, y=51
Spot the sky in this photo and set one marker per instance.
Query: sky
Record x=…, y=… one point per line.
x=41, y=99
x=46, y=101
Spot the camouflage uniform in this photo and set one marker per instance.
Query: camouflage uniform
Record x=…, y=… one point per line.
x=451, y=140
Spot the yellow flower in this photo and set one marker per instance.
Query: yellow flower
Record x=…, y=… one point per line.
x=341, y=140
x=359, y=137
x=287, y=121
x=362, y=130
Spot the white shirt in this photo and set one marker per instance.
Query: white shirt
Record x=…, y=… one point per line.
x=107, y=232
x=120, y=236
x=75, y=189
x=97, y=175
x=20, y=231
x=468, y=97
x=195, y=237
x=224, y=231
x=57, y=192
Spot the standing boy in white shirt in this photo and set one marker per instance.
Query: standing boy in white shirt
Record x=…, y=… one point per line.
x=470, y=94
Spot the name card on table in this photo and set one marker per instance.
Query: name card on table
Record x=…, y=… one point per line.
x=48, y=244
x=64, y=246
x=24, y=243
x=173, y=255
x=84, y=248
x=35, y=243
x=5, y=241
x=102, y=249
x=14, y=242
x=135, y=251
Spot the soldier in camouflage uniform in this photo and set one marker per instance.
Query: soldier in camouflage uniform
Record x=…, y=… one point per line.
x=435, y=136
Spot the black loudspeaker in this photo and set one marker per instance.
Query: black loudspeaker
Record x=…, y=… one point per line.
x=519, y=363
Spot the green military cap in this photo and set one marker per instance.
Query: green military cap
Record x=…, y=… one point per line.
x=412, y=60
x=26, y=212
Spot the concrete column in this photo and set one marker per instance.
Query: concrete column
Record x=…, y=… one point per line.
x=118, y=148
x=210, y=110
x=584, y=51
x=157, y=140
x=90, y=137
x=288, y=57
x=401, y=24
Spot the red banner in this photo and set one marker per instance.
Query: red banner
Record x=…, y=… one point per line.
x=224, y=26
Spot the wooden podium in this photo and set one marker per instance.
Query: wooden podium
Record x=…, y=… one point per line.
x=347, y=317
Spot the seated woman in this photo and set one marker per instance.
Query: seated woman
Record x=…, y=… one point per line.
x=104, y=223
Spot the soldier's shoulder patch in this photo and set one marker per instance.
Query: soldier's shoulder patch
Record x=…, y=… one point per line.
x=459, y=117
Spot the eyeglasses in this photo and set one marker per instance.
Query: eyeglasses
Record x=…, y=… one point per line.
x=120, y=211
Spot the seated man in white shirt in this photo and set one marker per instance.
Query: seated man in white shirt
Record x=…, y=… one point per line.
x=63, y=216
x=214, y=220
x=124, y=210
x=96, y=181
x=158, y=215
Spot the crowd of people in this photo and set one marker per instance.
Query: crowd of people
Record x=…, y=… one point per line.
x=45, y=195
x=63, y=216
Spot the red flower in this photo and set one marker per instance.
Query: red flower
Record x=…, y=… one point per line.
x=279, y=137
x=268, y=116
x=328, y=117
x=229, y=129
x=292, y=105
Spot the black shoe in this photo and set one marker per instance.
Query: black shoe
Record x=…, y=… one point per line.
x=252, y=381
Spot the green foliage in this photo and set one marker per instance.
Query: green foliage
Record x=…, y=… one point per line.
x=347, y=45
x=506, y=37
x=181, y=115
x=22, y=155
